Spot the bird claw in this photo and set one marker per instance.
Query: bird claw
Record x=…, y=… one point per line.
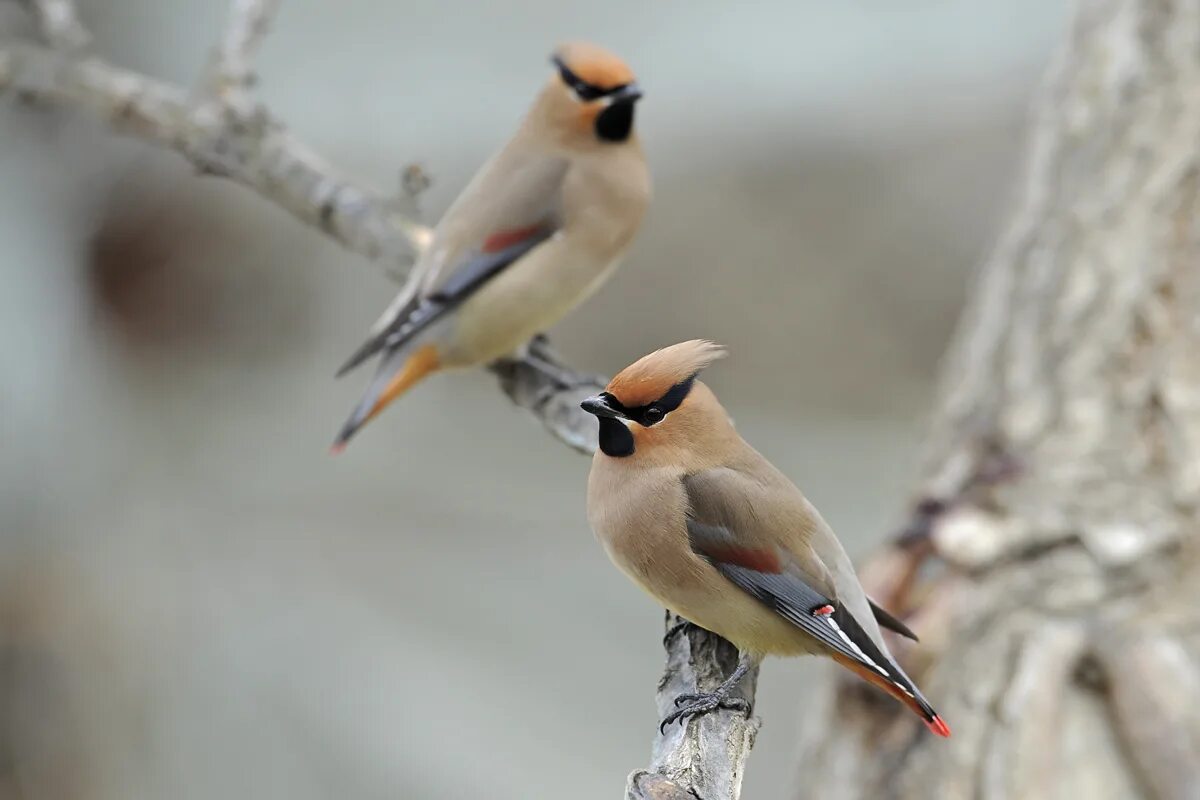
x=691, y=704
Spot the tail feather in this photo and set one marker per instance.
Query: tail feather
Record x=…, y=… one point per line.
x=367, y=349
x=908, y=694
x=395, y=328
x=398, y=373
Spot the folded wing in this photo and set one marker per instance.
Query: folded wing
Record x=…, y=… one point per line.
x=732, y=523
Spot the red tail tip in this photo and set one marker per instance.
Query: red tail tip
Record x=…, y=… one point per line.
x=938, y=726
x=336, y=448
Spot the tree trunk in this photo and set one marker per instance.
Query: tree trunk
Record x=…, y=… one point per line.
x=1050, y=561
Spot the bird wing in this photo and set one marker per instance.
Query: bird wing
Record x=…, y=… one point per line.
x=759, y=536
x=511, y=206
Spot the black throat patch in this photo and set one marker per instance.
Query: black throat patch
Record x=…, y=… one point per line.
x=615, y=123
x=615, y=438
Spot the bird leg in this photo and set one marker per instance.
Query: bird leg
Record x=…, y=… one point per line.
x=693, y=704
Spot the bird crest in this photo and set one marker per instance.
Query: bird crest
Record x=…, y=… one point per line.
x=652, y=376
x=593, y=65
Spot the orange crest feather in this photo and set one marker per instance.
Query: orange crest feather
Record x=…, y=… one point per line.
x=652, y=376
x=594, y=64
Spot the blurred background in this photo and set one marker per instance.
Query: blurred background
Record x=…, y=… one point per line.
x=196, y=601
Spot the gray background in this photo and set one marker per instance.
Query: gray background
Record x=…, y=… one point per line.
x=196, y=601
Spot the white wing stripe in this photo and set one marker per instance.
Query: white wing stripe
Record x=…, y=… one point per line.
x=858, y=650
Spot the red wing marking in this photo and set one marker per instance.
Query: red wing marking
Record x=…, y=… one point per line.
x=506, y=239
x=757, y=560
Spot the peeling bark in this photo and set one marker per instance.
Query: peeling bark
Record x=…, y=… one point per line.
x=1050, y=564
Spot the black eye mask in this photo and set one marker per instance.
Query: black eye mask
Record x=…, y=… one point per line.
x=615, y=438
x=586, y=91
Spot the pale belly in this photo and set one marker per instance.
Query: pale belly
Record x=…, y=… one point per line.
x=515, y=306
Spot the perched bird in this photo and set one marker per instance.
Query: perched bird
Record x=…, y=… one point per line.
x=714, y=532
x=537, y=230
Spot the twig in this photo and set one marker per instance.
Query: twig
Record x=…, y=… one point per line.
x=232, y=75
x=58, y=22
x=226, y=132
x=256, y=151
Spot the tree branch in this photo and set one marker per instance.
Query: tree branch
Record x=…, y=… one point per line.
x=255, y=150
x=233, y=74
x=58, y=22
x=706, y=756
x=226, y=132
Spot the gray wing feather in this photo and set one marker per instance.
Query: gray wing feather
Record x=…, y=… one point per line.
x=723, y=512
x=422, y=312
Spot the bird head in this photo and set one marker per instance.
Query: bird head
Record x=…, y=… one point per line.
x=591, y=97
x=656, y=403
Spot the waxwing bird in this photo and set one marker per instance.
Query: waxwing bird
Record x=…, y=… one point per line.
x=709, y=528
x=537, y=230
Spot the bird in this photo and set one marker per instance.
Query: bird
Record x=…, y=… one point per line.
x=538, y=229
x=707, y=526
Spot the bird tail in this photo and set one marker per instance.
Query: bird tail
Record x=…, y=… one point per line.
x=399, y=371
x=406, y=316
x=901, y=688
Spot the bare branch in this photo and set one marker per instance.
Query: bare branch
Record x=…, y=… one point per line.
x=232, y=76
x=58, y=21
x=226, y=133
x=706, y=756
x=256, y=151
x=542, y=385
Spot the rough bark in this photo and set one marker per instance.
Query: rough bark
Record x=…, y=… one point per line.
x=706, y=756
x=224, y=130
x=1050, y=562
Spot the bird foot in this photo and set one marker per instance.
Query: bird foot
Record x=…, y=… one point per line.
x=691, y=705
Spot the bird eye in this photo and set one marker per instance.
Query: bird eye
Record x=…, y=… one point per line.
x=653, y=414
x=585, y=91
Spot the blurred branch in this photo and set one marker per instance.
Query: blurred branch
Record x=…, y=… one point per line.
x=58, y=22
x=542, y=385
x=233, y=74
x=226, y=132
x=252, y=148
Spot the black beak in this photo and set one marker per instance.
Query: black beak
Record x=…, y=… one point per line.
x=629, y=93
x=598, y=405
